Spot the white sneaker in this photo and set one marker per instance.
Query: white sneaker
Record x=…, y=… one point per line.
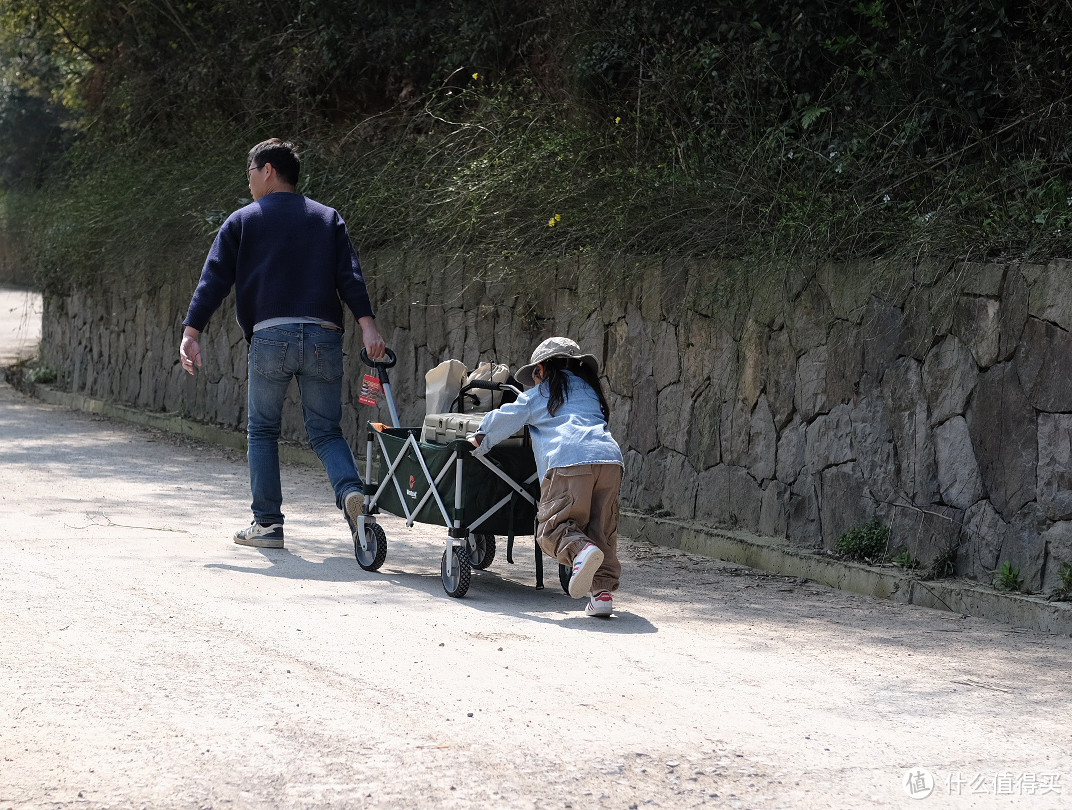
x=599, y=604
x=585, y=566
x=260, y=536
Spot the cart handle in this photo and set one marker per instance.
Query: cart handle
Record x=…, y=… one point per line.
x=487, y=385
x=385, y=380
x=378, y=363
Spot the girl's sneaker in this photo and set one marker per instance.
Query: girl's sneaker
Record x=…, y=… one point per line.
x=585, y=566
x=599, y=604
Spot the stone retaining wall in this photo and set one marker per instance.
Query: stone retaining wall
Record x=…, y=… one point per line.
x=793, y=404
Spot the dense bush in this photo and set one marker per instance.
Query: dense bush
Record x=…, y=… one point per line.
x=757, y=130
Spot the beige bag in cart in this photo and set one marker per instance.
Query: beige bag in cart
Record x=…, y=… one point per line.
x=442, y=385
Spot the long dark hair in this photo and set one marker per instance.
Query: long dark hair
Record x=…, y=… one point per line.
x=558, y=383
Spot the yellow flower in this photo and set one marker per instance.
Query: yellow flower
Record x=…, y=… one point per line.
x=551, y=222
x=558, y=217
x=476, y=75
x=618, y=120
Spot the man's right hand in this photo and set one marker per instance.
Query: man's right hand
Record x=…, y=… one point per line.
x=375, y=348
x=190, y=350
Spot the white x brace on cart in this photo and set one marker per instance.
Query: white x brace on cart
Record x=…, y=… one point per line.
x=441, y=482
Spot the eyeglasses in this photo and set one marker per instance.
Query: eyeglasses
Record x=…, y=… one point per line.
x=252, y=169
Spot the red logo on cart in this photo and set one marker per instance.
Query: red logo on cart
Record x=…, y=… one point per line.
x=371, y=388
x=412, y=482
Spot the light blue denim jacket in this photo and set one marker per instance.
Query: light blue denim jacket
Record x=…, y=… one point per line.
x=576, y=434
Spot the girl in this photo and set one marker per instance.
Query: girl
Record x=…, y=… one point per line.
x=579, y=463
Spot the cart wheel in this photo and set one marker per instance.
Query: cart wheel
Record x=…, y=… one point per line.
x=372, y=557
x=456, y=575
x=565, y=572
x=483, y=551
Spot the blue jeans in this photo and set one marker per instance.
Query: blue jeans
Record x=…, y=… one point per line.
x=313, y=354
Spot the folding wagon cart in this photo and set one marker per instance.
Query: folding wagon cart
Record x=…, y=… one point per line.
x=443, y=483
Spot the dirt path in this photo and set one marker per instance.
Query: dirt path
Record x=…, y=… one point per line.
x=20, y=325
x=147, y=661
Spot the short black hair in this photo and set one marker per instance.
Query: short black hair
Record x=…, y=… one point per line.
x=281, y=154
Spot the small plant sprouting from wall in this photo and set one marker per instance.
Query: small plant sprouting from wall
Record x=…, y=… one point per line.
x=1064, y=592
x=26, y=373
x=42, y=373
x=866, y=543
x=1008, y=578
x=905, y=560
x=944, y=565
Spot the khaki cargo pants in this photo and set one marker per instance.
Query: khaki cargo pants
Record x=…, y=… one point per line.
x=578, y=505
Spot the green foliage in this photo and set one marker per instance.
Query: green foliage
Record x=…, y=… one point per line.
x=32, y=137
x=1063, y=593
x=157, y=65
x=128, y=214
x=24, y=374
x=867, y=542
x=43, y=374
x=752, y=130
x=905, y=560
x=1007, y=578
x=943, y=565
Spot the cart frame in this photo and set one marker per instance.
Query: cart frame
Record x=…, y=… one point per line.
x=465, y=546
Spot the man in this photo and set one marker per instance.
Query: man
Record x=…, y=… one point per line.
x=290, y=261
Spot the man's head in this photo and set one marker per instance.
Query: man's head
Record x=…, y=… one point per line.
x=272, y=165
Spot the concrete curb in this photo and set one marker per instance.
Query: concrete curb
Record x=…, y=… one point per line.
x=762, y=553
x=771, y=555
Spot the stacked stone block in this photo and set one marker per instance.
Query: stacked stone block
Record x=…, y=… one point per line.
x=798, y=404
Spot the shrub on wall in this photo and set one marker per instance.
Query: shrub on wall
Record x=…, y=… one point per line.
x=750, y=130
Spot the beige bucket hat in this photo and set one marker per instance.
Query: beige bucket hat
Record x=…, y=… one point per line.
x=554, y=347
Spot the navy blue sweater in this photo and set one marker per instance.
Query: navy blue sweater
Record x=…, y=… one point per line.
x=286, y=256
